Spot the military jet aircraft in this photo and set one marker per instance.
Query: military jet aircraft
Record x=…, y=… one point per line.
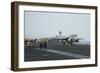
x=67, y=40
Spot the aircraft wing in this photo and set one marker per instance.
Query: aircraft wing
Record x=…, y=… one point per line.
x=58, y=38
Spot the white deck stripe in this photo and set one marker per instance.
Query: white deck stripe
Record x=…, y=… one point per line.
x=66, y=53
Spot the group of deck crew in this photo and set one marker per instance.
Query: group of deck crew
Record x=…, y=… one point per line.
x=41, y=42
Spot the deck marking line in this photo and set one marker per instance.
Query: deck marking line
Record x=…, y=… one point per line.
x=66, y=53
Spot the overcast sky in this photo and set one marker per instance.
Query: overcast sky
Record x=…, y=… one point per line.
x=48, y=24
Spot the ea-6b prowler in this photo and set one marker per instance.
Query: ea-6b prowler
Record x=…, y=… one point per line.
x=67, y=40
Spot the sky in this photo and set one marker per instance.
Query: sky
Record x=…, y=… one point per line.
x=48, y=24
